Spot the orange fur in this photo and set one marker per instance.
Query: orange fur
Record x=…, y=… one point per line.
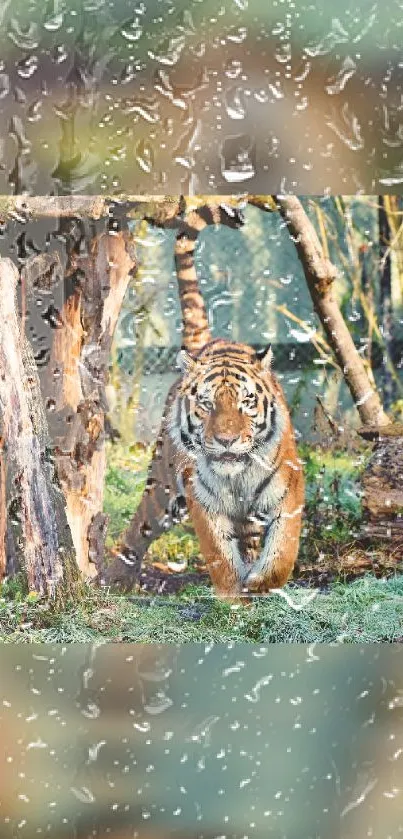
x=242, y=552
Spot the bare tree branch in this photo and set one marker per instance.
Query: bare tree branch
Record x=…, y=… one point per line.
x=159, y=208
x=320, y=274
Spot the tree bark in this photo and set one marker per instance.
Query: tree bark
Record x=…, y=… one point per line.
x=3, y=511
x=162, y=209
x=385, y=300
x=35, y=507
x=383, y=489
x=74, y=393
x=320, y=275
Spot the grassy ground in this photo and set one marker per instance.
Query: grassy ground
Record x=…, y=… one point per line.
x=326, y=602
x=367, y=610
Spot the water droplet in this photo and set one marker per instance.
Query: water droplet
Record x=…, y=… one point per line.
x=146, y=108
x=34, y=111
x=83, y=794
x=159, y=703
x=337, y=35
x=393, y=179
x=261, y=96
x=237, y=34
x=238, y=158
x=233, y=68
x=93, y=750
x=27, y=40
x=27, y=66
x=145, y=156
x=54, y=22
x=4, y=85
x=350, y=132
x=59, y=54
x=169, y=52
x=234, y=104
x=132, y=30
x=338, y=84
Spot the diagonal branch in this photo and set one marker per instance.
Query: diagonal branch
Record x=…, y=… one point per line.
x=320, y=274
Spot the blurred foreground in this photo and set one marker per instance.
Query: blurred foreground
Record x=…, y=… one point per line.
x=201, y=741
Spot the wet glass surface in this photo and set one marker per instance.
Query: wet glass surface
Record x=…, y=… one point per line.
x=209, y=740
x=201, y=741
x=167, y=97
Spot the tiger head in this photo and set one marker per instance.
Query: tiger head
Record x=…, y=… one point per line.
x=226, y=412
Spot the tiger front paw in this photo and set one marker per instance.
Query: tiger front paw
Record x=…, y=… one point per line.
x=253, y=581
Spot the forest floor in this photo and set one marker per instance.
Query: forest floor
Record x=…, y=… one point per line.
x=340, y=592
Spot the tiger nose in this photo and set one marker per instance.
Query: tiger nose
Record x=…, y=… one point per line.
x=227, y=439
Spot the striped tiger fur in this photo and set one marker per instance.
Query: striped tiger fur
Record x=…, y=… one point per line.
x=237, y=455
x=252, y=547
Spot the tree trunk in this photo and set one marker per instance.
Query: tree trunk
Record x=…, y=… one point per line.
x=95, y=283
x=35, y=506
x=3, y=511
x=368, y=292
x=385, y=300
x=320, y=275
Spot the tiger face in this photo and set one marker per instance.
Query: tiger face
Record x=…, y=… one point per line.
x=225, y=412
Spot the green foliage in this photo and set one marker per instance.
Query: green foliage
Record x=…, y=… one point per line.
x=14, y=588
x=333, y=496
x=124, y=484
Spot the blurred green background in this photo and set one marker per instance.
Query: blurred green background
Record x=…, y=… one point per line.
x=194, y=97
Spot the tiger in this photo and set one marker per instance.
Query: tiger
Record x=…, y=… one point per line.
x=237, y=460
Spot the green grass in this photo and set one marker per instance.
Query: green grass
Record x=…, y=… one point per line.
x=125, y=481
x=333, y=507
x=367, y=610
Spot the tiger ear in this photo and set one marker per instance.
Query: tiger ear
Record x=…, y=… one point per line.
x=184, y=361
x=265, y=356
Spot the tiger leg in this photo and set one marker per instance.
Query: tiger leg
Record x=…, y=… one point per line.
x=279, y=552
x=219, y=549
